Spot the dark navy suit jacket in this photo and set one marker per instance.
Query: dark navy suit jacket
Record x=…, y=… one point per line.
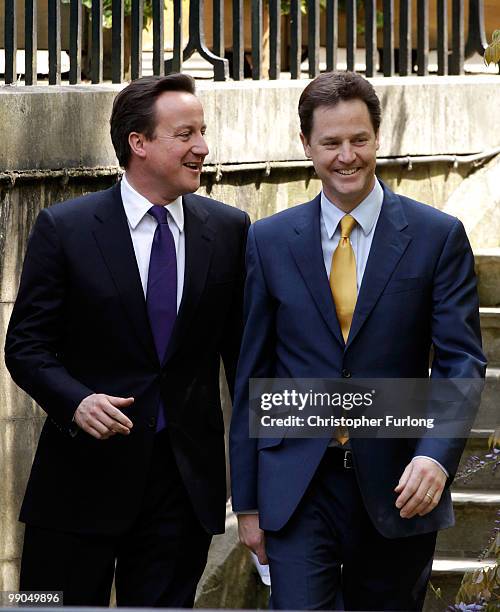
x=80, y=326
x=418, y=291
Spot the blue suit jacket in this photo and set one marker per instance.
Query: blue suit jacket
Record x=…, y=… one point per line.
x=418, y=290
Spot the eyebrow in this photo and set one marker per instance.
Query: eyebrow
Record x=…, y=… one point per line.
x=357, y=135
x=188, y=126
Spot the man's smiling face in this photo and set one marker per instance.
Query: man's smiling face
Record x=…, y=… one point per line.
x=175, y=155
x=343, y=147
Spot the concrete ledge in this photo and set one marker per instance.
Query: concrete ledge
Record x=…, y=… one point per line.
x=247, y=122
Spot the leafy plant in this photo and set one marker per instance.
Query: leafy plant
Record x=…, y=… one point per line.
x=480, y=588
x=285, y=5
x=492, y=52
x=107, y=10
x=285, y=9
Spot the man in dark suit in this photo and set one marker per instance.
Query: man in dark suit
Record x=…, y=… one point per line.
x=128, y=299
x=358, y=283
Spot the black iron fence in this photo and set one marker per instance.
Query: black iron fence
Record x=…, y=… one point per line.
x=297, y=31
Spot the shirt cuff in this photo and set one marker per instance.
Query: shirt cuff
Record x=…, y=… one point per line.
x=434, y=461
x=246, y=512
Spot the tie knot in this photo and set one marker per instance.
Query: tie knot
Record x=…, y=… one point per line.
x=347, y=224
x=159, y=213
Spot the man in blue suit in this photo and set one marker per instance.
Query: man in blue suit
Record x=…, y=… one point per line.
x=360, y=282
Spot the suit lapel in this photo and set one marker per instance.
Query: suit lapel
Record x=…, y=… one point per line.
x=388, y=246
x=199, y=237
x=305, y=245
x=112, y=235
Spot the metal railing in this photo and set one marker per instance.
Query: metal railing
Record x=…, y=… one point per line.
x=397, y=53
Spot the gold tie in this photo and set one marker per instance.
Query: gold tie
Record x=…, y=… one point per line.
x=344, y=290
x=343, y=276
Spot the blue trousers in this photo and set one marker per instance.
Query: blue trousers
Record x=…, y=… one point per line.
x=329, y=556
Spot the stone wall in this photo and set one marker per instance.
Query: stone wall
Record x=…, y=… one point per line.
x=45, y=128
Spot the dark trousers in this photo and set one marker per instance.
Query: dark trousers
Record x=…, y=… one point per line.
x=156, y=563
x=329, y=555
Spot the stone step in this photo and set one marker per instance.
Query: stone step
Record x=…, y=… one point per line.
x=475, y=515
x=230, y=579
x=490, y=329
x=488, y=416
x=488, y=276
x=447, y=576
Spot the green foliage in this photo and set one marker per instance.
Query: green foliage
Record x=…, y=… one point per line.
x=492, y=52
x=285, y=6
x=148, y=10
x=437, y=592
x=285, y=9
x=481, y=587
x=107, y=10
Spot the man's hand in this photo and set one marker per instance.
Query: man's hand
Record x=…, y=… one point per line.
x=98, y=415
x=252, y=536
x=420, y=488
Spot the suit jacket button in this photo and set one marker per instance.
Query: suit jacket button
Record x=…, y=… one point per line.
x=152, y=422
x=346, y=373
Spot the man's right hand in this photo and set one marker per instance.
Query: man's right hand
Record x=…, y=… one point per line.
x=99, y=415
x=252, y=536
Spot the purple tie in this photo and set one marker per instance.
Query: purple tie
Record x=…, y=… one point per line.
x=161, y=299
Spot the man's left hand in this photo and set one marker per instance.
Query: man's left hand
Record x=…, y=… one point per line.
x=420, y=488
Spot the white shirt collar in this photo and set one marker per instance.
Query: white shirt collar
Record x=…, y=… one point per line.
x=136, y=206
x=366, y=212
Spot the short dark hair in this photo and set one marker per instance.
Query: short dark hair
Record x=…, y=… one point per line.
x=133, y=109
x=330, y=88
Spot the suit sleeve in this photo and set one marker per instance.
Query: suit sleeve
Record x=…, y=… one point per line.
x=256, y=361
x=456, y=336
x=231, y=342
x=33, y=341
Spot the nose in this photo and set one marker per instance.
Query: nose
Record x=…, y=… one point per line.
x=200, y=146
x=346, y=153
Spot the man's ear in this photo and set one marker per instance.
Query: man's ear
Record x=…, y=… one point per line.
x=305, y=144
x=377, y=140
x=136, y=142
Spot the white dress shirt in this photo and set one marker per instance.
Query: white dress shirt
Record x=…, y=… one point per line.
x=366, y=214
x=142, y=228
